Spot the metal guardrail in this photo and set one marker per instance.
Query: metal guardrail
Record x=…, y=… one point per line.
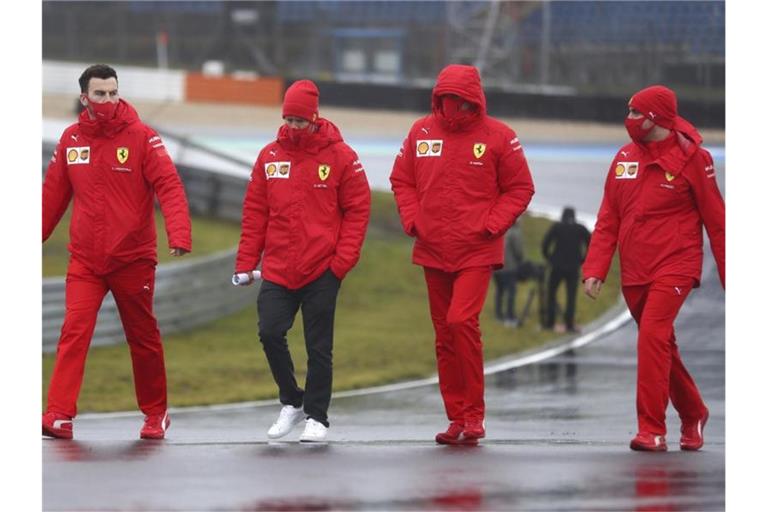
x=187, y=294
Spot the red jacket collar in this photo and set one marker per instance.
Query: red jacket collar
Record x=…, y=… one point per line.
x=124, y=116
x=671, y=154
x=326, y=133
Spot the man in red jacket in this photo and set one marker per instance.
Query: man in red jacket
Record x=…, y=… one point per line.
x=660, y=189
x=306, y=209
x=460, y=181
x=113, y=165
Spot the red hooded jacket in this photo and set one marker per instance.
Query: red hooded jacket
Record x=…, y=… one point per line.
x=306, y=208
x=113, y=170
x=656, y=198
x=460, y=185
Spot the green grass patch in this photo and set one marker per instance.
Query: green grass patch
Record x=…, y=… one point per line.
x=208, y=236
x=383, y=332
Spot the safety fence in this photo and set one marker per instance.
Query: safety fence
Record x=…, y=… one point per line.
x=188, y=293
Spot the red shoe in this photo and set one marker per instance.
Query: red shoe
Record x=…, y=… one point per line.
x=155, y=426
x=57, y=425
x=645, y=442
x=452, y=435
x=692, y=437
x=475, y=429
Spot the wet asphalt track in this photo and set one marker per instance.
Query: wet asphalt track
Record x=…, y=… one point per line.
x=558, y=435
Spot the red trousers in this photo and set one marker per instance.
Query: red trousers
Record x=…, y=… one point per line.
x=661, y=375
x=455, y=302
x=133, y=288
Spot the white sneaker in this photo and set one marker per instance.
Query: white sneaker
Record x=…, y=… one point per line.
x=314, y=432
x=289, y=417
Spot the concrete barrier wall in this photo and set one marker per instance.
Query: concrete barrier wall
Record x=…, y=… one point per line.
x=187, y=294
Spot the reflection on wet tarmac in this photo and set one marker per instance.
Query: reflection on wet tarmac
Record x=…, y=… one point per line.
x=660, y=485
x=459, y=499
x=78, y=451
x=560, y=373
x=652, y=489
x=292, y=448
x=295, y=504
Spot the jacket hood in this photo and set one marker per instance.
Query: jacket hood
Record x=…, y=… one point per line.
x=463, y=81
x=325, y=134
x=125, y=115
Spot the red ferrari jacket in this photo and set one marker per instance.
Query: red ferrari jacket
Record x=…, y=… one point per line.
x=113, y=170
x=656, y=198
x=306, y=208
x=458, y=188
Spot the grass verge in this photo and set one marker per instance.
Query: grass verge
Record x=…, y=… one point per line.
x=383, y=332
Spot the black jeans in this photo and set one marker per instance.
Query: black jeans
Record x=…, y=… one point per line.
x=571, y=277
x=277, y=308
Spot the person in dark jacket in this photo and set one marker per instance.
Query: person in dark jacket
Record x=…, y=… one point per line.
x=564, y=247
x=507, y=277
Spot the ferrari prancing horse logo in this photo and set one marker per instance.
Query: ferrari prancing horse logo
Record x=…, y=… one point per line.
x=122, y=155
x=323, y=171
x=479, y=149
